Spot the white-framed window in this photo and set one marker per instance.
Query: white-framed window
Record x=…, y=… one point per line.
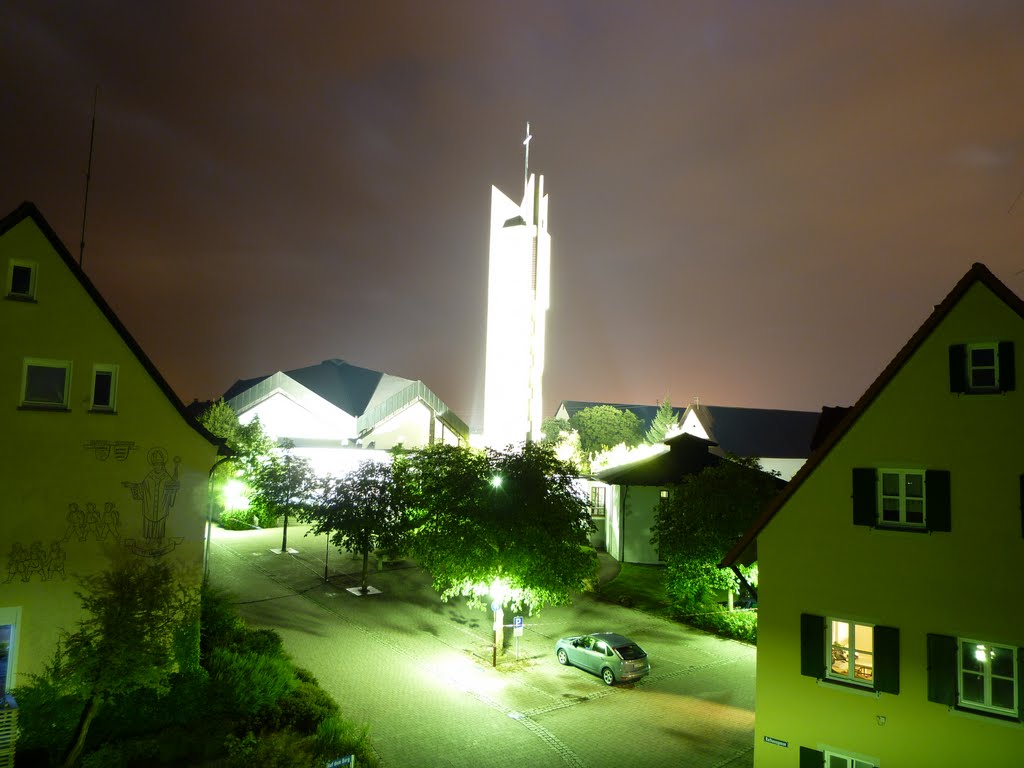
x=45, y=383
x=983, y=367
x=851, y=649
x=598, y=499
x=840, y=760
x=988, y=677
x=21, y=279
x=902, y=497
x=10, y=618
x=104, y=387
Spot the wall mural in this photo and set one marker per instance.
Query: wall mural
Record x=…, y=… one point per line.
x=23, y=562
x=157, y=492
x=103, y=448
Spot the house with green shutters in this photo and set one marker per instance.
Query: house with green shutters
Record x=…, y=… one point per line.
x=890, y=631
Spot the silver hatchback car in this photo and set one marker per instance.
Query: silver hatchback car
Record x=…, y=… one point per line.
x=614, y=657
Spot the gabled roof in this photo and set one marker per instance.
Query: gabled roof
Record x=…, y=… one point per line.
x=349, y=387
x=686, y=455
x=758, y=432
x=370, y=396
x=745, y=550
x=28, y=210
x=645, y=413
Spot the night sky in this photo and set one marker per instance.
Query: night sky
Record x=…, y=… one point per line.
x=754, y=203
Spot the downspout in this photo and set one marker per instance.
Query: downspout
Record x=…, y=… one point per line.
x=622, y=523
x=209, y=514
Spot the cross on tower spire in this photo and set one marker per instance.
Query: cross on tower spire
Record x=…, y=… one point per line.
x=526, y=160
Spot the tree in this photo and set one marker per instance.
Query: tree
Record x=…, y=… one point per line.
x=137, y=613
x=249, y=444
x=664, y=421
x=504, y=526
x=366, y=510
x=552, y=429
x=602, y=426
x=280, y=485
x=706, y=513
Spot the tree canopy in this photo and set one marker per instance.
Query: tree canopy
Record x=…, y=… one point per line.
x=604, y=426
x=511, y=519
x=363, y=511
x=132, y=637
x=705, y=514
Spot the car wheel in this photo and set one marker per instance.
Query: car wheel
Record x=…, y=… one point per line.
x=563, y=658
x=608, y=676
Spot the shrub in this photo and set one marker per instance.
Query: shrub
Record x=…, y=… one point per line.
x=305, y=708
x=238, y=520
x=336, y=737
x=246, y=683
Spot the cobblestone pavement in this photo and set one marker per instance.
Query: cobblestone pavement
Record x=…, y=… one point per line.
x=419, y=672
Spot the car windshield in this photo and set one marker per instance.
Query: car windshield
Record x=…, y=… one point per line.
x=630, y=651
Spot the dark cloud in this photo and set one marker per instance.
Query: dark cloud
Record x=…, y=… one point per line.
x=753, y=203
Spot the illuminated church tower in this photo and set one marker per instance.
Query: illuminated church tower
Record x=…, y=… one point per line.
x=517, y=303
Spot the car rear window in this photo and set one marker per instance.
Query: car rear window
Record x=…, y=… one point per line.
x=629, y=652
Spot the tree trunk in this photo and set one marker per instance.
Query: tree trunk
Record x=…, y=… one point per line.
x=75, y=751
x=284, y=536
x=366, y=568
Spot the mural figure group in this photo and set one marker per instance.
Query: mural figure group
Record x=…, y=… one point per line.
x=25, y=561
x=83, y=523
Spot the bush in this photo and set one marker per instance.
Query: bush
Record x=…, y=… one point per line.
x=246, y=683
x=336, y=737
x=237, y=520
x=47, y=719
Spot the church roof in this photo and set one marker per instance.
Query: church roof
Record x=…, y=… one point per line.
x=760, y=432
x=351, y=388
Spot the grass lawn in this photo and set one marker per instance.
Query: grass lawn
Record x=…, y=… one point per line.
x=638, y=586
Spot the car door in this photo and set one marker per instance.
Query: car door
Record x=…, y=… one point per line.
x=576, y=652
x=593, y=654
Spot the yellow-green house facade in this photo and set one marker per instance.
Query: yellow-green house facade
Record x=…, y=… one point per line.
x=98, y=455
x=890, y=628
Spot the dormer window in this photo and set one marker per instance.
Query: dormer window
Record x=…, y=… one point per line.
x=982, y=368
x=21, y=280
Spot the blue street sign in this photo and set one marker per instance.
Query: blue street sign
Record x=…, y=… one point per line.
x=517, y=622
x=342, y=762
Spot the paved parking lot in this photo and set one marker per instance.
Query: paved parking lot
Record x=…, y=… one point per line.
x=418, y=671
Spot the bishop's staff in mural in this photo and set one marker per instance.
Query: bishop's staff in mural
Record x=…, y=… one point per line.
x=157, y=491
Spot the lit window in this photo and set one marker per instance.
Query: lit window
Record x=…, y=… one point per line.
x=46, y=383
x=663, y=497
x=988, y=677
x=21, y=280
x=104, y=388
x=852, y=650
x=902, y=498
x=597, y=501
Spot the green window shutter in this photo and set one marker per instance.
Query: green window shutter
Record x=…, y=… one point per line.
x=812, y=645
x=936, y=500
x=958, y=368
x=1020, y=684
x=942, y=669
x=811, y=758
x=1007, y=369
x=865, y=496
x=887, y=660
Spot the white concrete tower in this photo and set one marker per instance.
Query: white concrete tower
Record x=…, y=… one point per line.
x=518, y=294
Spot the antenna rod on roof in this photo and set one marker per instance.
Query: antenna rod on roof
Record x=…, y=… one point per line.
x=88, y=173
